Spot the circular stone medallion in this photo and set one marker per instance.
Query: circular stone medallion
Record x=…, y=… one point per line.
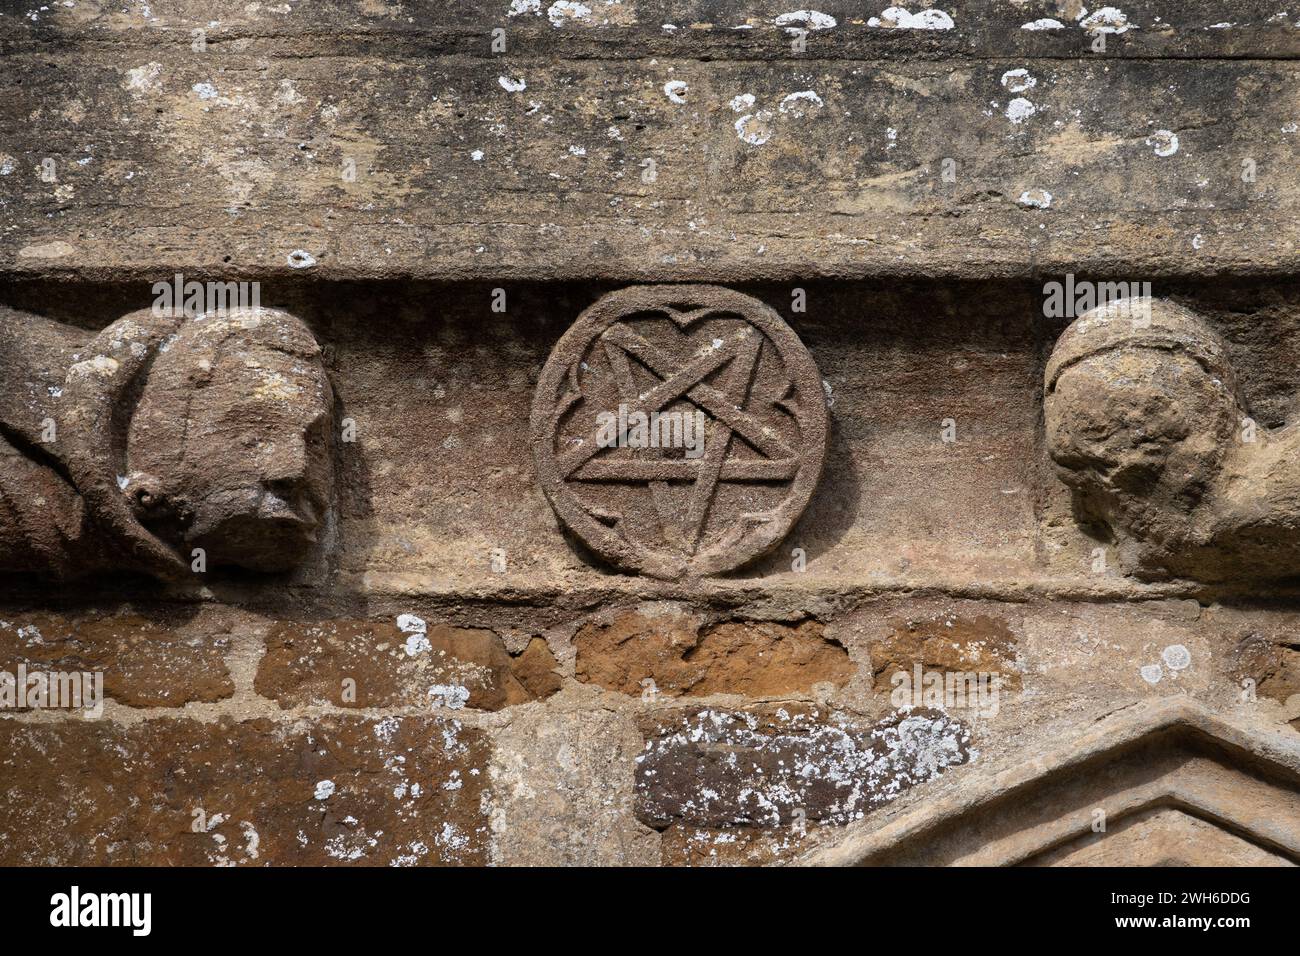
x=679, y=430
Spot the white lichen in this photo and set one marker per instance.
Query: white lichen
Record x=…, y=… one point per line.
x=144, y=79
x=898, y=18
x=417, y=644
x=1020, y=109
x=797, y=104
x=675, y=90
x=1106, y=20
x=1035, y=199
x=809, y=19
x=754, y=128
x=1176, y=657
x=411, y=624
x=1017, y=81
x=563, y=11
x=1163, y=142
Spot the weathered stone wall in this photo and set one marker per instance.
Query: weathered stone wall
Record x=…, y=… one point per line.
x=450, y=676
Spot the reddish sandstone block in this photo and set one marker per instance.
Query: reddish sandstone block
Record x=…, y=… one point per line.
x=342, y=790
x=146, y=661
x=753, y=658
x=947, y=643
x=374, y=664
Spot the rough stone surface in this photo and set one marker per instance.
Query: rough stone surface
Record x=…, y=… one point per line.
x=773, y=190
x=1164, y=783
x=375, y=664
x=1269, y=665
x=949, y=644
x=775, y=767
x=683, y=845
x=427, y=218
x=561, y=790
x=145, y=661
x=380, y=792
x=650, y=652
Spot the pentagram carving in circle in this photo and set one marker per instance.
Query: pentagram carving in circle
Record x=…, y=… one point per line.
x=679, y=431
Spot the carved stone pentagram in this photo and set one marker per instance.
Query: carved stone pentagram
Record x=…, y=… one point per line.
x=679, y=509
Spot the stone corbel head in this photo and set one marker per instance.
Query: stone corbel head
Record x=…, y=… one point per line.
x=1147, y=425
x=210, y=432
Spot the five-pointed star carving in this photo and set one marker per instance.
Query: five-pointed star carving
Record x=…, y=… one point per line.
x=726, y=406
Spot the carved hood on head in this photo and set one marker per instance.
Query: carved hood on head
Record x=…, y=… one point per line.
x=92, y=443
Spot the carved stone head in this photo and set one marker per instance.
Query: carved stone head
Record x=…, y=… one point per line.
x=1141, y=405
x=229, y=446
x=179, y=433
x=1138, y=401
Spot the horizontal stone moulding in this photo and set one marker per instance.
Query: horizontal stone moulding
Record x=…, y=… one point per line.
x=846, y=440
x=732, y=29
x=454, y=170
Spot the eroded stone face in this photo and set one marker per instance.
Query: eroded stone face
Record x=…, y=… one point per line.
x=1147, y=426
x=161, y=435
x=229, y=447
x=679, y=430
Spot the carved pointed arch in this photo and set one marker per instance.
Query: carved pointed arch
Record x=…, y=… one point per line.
x=1177, y=784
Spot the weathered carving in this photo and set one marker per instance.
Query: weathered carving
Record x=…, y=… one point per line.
x=1174, y=784
x=1146, y=424
x=646, y=364
x=160, y=435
